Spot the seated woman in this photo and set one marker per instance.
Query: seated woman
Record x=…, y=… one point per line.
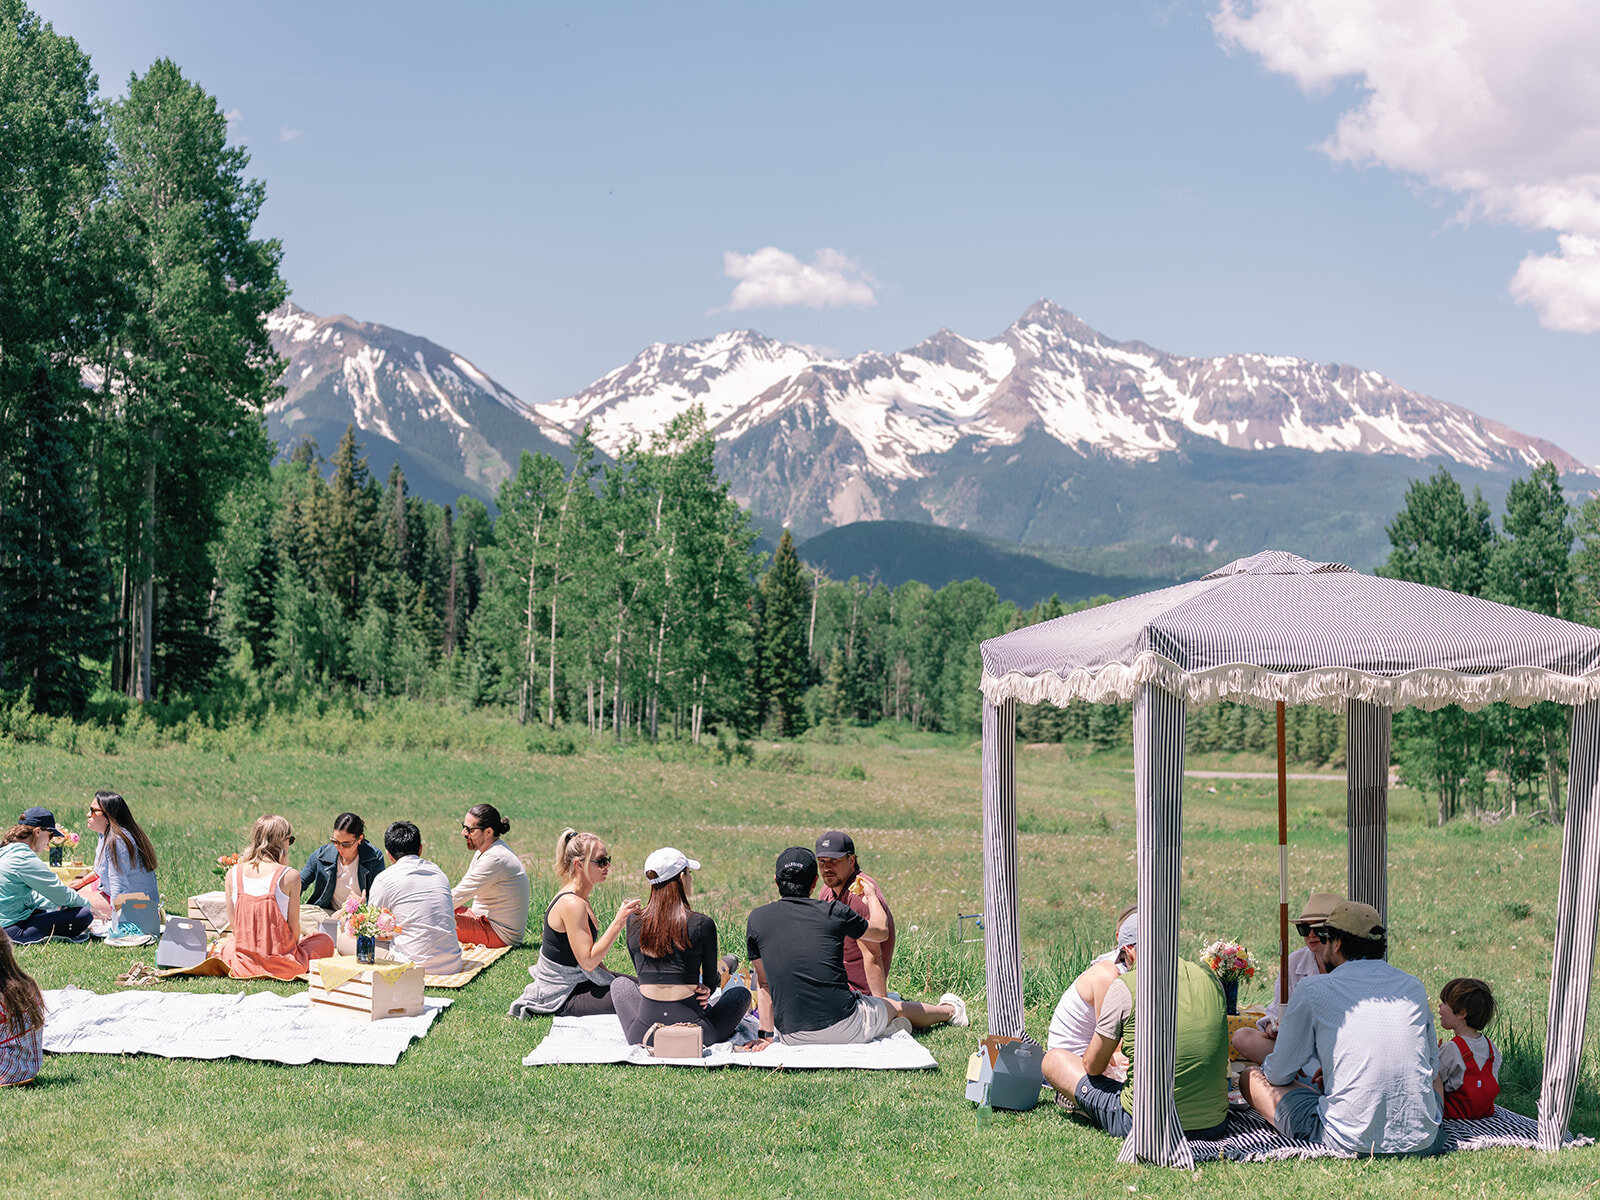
x=34, y=904
x=1072, y=1024
x=1254, y=1042
x=21, y=1020
x=495, y=885
x=568, y=978
x=124, y=861
x=345, y=866
x=263, y=898
x=674, y=951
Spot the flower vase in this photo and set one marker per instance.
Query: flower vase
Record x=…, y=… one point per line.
x=1230, y=991
x=366, y=949
x=55, y=856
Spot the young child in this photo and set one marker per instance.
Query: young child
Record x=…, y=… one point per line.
x=21, y=1019
x=1469, y=1065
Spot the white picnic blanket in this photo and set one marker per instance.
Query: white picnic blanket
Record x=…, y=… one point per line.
x=258, y=1025
x=601, y=1040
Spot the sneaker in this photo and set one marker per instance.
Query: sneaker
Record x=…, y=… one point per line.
x=898, y=1025
x=99, y=928
x=1066, y=1104
x=959, y=1020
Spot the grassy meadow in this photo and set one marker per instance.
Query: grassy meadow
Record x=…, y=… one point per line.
x=460, y=1115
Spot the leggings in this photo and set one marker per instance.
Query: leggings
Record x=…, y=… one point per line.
x=41, y=926
x=637, y=1012
x=590, y=1000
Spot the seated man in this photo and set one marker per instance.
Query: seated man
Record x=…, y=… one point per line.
x=418, y=894
x=865, y=963
x=796, y=949
x=1200, y=1074
x=1254, y=1044
x=346, y=865
x=1379, y=1091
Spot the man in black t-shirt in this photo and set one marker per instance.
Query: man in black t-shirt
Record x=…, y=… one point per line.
x=796, y=950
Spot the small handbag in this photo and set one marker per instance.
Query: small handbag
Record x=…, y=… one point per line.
x=683, y=1040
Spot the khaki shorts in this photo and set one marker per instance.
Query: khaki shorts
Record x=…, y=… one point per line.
x=869, y=1021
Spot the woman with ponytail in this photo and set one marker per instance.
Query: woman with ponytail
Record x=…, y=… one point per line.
x=21, y=1020
x=492, y=898
x=674, y=951
x=568, y=979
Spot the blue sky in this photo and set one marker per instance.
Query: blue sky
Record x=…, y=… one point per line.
x=547, y=189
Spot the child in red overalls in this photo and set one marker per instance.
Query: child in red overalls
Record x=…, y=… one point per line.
x=1469, y=1064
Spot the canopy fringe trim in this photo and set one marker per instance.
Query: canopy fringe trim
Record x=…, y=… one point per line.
x=1329, y=687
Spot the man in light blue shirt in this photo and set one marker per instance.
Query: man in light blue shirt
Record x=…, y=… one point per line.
x=1370, y=1025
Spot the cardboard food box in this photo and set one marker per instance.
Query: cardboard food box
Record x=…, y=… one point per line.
x=368, y=995
x=1010, y=1072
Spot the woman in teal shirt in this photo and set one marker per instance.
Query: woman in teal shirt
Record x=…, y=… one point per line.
x=34, y=905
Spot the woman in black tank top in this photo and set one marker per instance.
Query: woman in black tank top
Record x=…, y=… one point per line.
x=571, y=938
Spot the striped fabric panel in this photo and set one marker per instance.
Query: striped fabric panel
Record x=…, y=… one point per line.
x=1577, y=922
x=1158, y=728
x=1002, y=942
x=1367, y=804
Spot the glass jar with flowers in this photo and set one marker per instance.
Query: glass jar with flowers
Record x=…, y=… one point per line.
x=64, y=841
x=1230, y=962
x=367, y=923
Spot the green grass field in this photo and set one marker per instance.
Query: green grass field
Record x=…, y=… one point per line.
x=460, y=1115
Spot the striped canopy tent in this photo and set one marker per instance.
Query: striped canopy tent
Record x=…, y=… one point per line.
x=1269, y=628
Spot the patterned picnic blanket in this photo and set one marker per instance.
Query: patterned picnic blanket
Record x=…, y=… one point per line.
x=1250, y=1139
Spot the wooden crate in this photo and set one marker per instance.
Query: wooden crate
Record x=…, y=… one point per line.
x=195, y=914
x=368, y=997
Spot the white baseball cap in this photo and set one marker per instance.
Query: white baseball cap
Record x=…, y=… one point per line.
x=667, y=863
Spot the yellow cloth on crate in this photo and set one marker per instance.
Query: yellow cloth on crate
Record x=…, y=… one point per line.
x=342, y=968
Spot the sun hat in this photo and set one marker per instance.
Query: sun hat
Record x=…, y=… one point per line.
x=39, y=818
x=1317, y=908
x=667, y=863
x=835, y=844
x=1356, y=919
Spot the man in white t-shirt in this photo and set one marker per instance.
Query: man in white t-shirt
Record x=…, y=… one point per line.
x=418, y=894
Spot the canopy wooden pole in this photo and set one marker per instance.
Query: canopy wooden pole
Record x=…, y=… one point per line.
x=1283, y=863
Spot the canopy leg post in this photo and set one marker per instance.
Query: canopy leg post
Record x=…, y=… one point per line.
x=1577, y=909
x=1002, y=942
x=1158, y=731
x=1367, y=728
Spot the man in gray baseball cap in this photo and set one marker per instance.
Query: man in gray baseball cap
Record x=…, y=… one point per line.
x=1380, y=1093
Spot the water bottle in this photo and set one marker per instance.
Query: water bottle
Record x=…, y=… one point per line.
x=985, y=1111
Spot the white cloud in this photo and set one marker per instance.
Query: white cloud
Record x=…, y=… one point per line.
x=288, y=135
x=1498, y=102
x=773, y=278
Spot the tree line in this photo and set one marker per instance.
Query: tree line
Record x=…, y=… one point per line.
x=134, y=368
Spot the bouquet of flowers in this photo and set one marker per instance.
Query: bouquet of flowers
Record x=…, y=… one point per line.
x=65, y=838
x=1229, y=961
x=367, y=920
x=224, y=861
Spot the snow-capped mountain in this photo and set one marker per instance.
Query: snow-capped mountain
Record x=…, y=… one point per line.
x=1048, y=434
x=451, y=427
x=1050, y=373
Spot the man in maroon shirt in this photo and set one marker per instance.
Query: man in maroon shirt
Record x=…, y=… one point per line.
x=866, y=963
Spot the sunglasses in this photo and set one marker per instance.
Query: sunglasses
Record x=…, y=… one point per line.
x=470, y=828
x=1306, y=929
x=347, y=845
x=603, y=861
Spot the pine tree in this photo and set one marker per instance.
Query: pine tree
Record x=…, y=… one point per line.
x=51, y=578
x=785, y=616
x=189, y=367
